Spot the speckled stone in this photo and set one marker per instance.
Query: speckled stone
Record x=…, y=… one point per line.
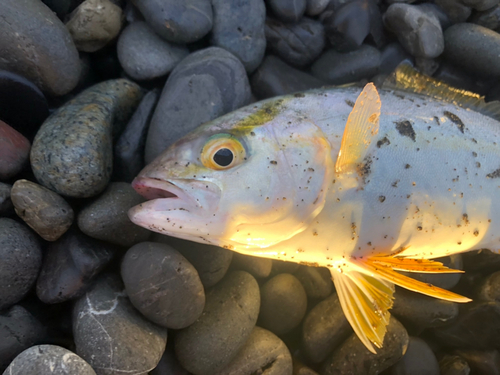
x=481, y=361
x=72, y=152
x=453, y=365
x=46, y=212
x=14, y=151
x=6, y=206
x=418, y=360
x=317, y=281
x=36, y=45
x=256, y=266
x=489, y=288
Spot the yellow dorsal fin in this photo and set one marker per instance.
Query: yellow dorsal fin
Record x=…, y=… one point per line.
x=361, y=127
x=413, y=265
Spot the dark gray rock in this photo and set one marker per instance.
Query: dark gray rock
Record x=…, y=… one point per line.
x=489, y=18
x=426, y=66
x=21, y=257
x=455, y=10
x=480, y=5
x=418, y=360
x=6, y=206
x=288, y=10
x=317, y=281
x=282, y=266
x=105, y=218
x=112, y=335
x=229, y=317
x=435, y=11
x=60, y=7
x=484, y=261
x=392, y=55
x=453, y=365
x=70, y=265
x=169, y=365
x=72, y=152
x=144, y=55
x=35, y=44
x=459, y=78
x=14, y=151
x=481, y=361
x=256, y=266
x=175, y=21
x=48, y=360
x=315, y=7
x=489, y=289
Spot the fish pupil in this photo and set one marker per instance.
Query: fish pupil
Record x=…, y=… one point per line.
x=223, y=157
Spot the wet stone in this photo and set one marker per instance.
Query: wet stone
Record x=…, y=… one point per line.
x=418, y=360
x=105, y=218
x=489, y=18
x=426, y=66
x=455, y=10
x=481, y=362
x=315, y=7
x=434, y=10
x=485, y=261
x=14, y=151
x=46, y=212
x=72, y=152
x=453, y=365
x=230, y=314
x=6, y=206
x=317, y=281
x=481, y=5
x=49, y=360
x=392, y=55
x=282, y=266
x=489, y=289
x=286, y=10
x=256, y=266
x=169, y=364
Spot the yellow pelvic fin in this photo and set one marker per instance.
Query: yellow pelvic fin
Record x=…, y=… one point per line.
x=361, y=128
x=412, y=265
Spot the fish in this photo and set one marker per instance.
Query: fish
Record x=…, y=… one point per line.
x=364, y=182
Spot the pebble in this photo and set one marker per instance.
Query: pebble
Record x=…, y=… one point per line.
x=418, y=32
x=339, y=68
x=434, y=10
x=282, y=266
x=352, y=357
x=162, y=285
x=230, y=314
x=46, y=212
x=211, y=80
x=489, y=18
x=288, y=11
x=324, y=329
x=178, y=22
x=72, y=152
x=111, y=335
x=36, y=45
x=283, y=304
x=144, y=55
x=263, y=353
x=427, y=67
x=418, y=360
x=315, y=7
x=484, y=260
x=298, y=44
x=481, y=362
x=481, y=5
x=391, y=56
x=169, y=365
x=275, y=78
x=455, y=10
x=239, y=28
x=256, y=266
x=6, y=206
x=70, y=265
x=453, y=365
x=317, y=281
x=105, y=218
x=60, y=7
x=489, y=289
x=48, y=360
x=21, y=257
x=94, y=23
x=14, y=151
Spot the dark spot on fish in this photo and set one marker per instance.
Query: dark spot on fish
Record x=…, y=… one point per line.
x=405, y=129
x=350, y=103
x=364, y=169
x=252, y=134
x=407, y=166
x=274, y=162
x=494, y=174
x=465, y=219
x=383, y=141
x=474, y=154
x=381, y=198
x=437, y=120
x=474, y=140
x=310, y=169
x=419, y=228
x=476, y=233
x=456, y=120
x=478, y=164
x=299, y=95
x=395, y=183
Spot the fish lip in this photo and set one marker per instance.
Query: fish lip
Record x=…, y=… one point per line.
x=155, y=188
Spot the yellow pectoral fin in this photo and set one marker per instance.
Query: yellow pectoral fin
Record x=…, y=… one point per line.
x=412, y=265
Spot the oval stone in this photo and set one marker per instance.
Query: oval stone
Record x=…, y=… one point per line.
x=258, y=267
x=14, y=151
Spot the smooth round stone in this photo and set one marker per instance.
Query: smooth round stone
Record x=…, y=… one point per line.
x=481, y=5
x=392, y=55
x=324, y=329
x=6, y=206
x=315, y=7
x=21, y=257
x=282, y=266
x=455, y=10
x=418, y=360
x=112, y=335
x=484, y=261
x=418, y=32
x=46, y=212
x=19, y=330
x=230, y=314
x=284, y=304
x=256, y=266
x=60, y=7
x=489, y=18
x=458, y=78
x=175, y=21
x=261, y=349
x=169, y=365
x=474, y=48
x=288, y=11
x=317, y=281
x=339, y=68
x=72, y=152
x=36, y=45
x=14, y=151
x=434, y=10
x=106, y=217
x=453, y=365
x=144, y=55
x=48, y=360
x=211, y=80
x=489, y=289
x=70, y=265
x=426, y=66
x=275, y=78
x=481, y=361
x=352, y=357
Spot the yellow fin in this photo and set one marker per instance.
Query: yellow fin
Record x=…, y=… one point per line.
x=413, y=265
x=361, y=127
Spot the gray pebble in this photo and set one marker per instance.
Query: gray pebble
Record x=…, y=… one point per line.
x=169, y=365
x=6, y=206
x=455, y=10
x=315, y=7
x=485, y=362
x=489, y=289
x=392, y=55
x=112, y=335
x=144, y=55
x=230, y=314
x=433, y=10
x=427, y=67
x=418, y=360
x=14, y=151
x=256, y=266
x=288, y=10
x=317, y=281
x=46, y=212
x=48, y=360
x=489, y=18
x=282, y=266
x=481, y=5
x=453, y=365
x=21, y=257
x=106, y=217
x=72, y=152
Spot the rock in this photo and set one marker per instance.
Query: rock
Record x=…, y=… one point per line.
x=427, y=67
x=169, y=365
x=453, y=365
x=21, y=257
x=352, y=357
x=418, y=360
x=481, y=362
x=434, y=10
x=106, y=217
x=484, y=260
x=239, y=28
x=94, y=24
x=284, y=304
x=70, y=266
x=110, y=333
x=418, y=32
x=457, y=77
x=324, y=329
x=298, y=44
x=263, y=353
x=288, y=11
x=257, y=267
x=230, y=314
x=14, y=151
x=49, y=360
x=46, y=212
x=489, y=18
x=474, y=48
x=315, y=7
x=317, y=281
x=480, y=5
x=60, y=7
x=339, y=68
x=72, y=152
x=144, y=55
x=36, y=45
x=211, y=80
x=392, y=55
x=455, y=10
x=6, y=206
x=489, y=289
x=282, y=266
x=178, y=22
x=274, y=78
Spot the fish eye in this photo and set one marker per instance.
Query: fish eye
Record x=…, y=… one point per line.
x=223, y=157
x=222, y=151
